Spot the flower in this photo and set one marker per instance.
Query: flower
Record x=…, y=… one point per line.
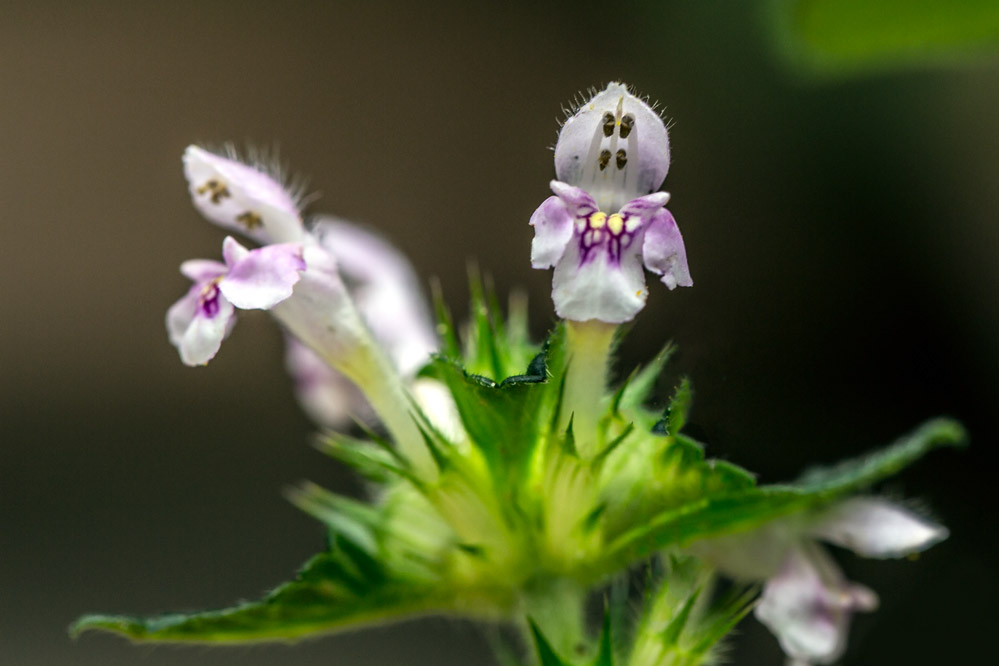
x=806, y=600
x=249, y=279
x=606, y=219
x=242, y=198
x=383, y=287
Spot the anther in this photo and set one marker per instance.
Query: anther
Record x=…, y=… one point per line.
x=608, y=124
x=627, y=123
x=218, y=190
x=250, y=220
x=604, y=160
x=621, y=158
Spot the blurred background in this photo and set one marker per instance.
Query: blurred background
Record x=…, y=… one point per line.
x=839, y=202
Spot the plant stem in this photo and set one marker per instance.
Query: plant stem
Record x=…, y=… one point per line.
x=557, y=607
x=588, y=350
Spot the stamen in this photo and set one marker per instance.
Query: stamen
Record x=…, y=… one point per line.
x=250, y=220
x=627, y=123
x=218, y=190
x=605, y=156
x=608, y=124
x=621, y=158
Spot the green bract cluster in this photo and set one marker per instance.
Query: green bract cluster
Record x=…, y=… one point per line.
x=522, y=526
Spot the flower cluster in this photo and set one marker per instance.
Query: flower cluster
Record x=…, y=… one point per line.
x=510, y=480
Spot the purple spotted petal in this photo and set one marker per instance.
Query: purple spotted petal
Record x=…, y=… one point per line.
x=552, y=224
x=242, y=198
x=663, y=251
x=198, y=323
x=876, y=528
x=262, y=278
x=808, y=605
x=599, y=288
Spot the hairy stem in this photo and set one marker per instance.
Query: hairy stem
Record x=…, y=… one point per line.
x=588, y=350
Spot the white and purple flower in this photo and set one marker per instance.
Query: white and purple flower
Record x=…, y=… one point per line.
x=249, y=279
x=383, y=287
x=242, y=198
x=607, y=220
x=806, y=600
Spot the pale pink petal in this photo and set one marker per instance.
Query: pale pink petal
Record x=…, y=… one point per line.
x=264, y=277
x=597, y=287
x=808, y=605
x=181, y=314
x=198, y=323
x=553, y=226
x=873, y=527
x=202, y=270
x=242, y=198
x=233, y=252
x=663, y=251
x=578, y=200
x=615, y=147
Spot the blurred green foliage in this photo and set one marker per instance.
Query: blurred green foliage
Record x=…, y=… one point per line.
x=850, y=36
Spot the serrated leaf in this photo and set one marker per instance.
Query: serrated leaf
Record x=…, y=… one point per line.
x=728, y=512
x=503, y=419
x=322, y=598
x=640, y=385
x=676, y=413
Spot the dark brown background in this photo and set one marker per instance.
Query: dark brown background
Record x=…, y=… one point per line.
x=843, y=236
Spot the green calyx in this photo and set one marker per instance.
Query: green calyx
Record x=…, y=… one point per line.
x=520, y=525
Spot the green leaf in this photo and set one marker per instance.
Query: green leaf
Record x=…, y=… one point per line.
x=445, y=325
x=676, y=413
x=546, y=655
x=638, y=388
x=334, y=591
x=671, y=634
x=727, y=512
x=850, y=35
x=605, y=652
x=503, y=419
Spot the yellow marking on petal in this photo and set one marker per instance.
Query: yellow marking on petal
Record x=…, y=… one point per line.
x=217, y=188
x=598, y=220
x=615, y=223
x=250, y=220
